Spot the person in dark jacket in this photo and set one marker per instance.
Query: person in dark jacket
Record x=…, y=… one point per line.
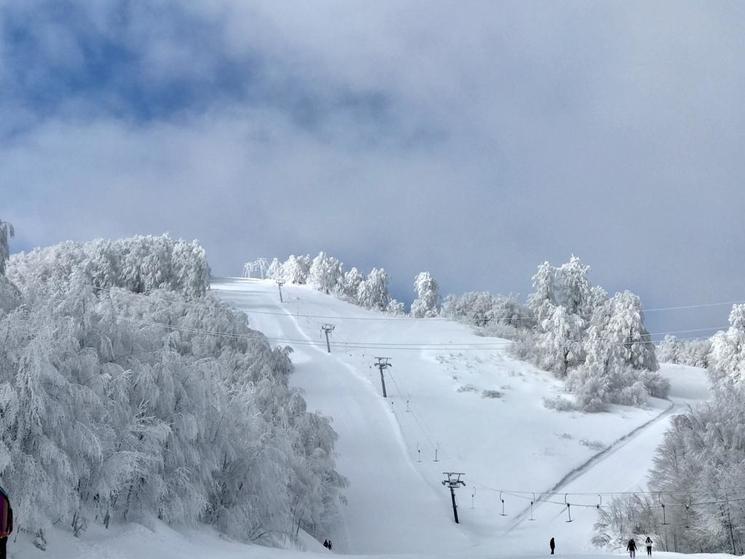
x=631, y=547
x=648, y=543
x=8, y=529
x=552, y=545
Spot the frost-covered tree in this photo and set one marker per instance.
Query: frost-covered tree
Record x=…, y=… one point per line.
x=395, y=308
x=140, y=264
x=296, y=269
x=6, y=233
x=620, y=361
x=543, y=299
x=728, y=348
x=567, y=286
x=350, y=284
x=256, y=268
x=694, y=353
x=274, y=271
x=699, y=476
x=372, y=293
x=484, y=310
x=561, y=342
x=572, y=289
x=135, y=402
x=427, y=302
x=325, y=273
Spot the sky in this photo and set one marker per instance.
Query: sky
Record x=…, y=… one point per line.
x=474, y=140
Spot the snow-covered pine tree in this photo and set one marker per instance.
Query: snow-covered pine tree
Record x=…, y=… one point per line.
x=427, y=303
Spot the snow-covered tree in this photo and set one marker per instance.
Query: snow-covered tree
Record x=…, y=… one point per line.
x=698, y=472
x=728, y=348
x=325, y=273
x=296, y=269
x=256, y=268
x=694, y=353
x=274, y=271
x=395, y=308
x=6, y=233
x=372, y=293
x=620, y=360
x=572, y=289
x=543, y=299
x=350, y=284
x=484, y=310
x=561, y=342
x=140, y=264
x=148, y=399
x=427, y=302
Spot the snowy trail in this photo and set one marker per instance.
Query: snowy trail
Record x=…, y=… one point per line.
x=388, y=503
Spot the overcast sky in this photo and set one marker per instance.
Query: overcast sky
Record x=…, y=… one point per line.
x=471, y=139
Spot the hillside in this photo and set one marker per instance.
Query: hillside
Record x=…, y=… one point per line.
x=468, y=398
x=450, y=391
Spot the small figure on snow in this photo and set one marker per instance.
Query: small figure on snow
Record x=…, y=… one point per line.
x=552, y=545
x=648, y=543
x=326, y=544
x=331, y=546
x=631, y=547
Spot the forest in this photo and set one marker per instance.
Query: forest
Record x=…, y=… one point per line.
x=129, y=393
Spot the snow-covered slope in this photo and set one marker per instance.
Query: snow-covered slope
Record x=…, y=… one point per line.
x=450, y=391
x=464, y=396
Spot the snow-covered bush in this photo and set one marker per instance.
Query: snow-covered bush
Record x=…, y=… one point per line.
x=117, y=405
x=427, y=302
x=139, y=264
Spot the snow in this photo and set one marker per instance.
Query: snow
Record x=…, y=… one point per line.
x=396, y=505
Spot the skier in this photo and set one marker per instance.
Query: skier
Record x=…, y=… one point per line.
x=631, y=548
x=326, y=544
x=648, y=543
x=552, y=545
x=331, y=547
x=6, y=522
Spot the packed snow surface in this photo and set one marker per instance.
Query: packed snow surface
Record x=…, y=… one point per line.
x=456, y=402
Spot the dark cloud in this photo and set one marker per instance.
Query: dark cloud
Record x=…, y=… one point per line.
x=473, y=141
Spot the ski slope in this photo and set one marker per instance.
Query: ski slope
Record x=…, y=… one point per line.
x=504, y=440
x=464, y=397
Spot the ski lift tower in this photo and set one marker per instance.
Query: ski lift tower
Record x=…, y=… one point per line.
x=453, y=482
